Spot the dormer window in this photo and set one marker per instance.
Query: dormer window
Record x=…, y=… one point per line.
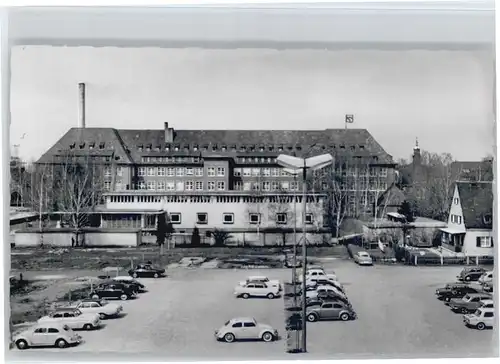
x=361, y=147
x=205, y=147
x=290, y=147
x=243, y=148
x=298, y=147
x=271, y=148
x=224, y=148
x=487, y=219
x=353, y=147
x=157, y=148
x=233, y=147
x=261, y=148
x=82, y=145
x=92, y=145
x=214, y=147
x=148, y=147
x=72, y=145
x=252, y=148
x=167, y=147
x=323, y=147
x=139, y=147
x=176, y=148
x=280, y=148
x=195, y=147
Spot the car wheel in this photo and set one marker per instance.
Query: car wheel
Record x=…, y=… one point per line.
x=22, y=344
x=311, y=317
x=447, y=299
x=95, y=297
x=61, y=343
x=155, y=275
x=267, y=337
x=480, y=326
x=229, y=338
x=102, y=316
x=270, y=296
x=135, y=275
x=87, y=327
x=124, y=297
x=344, y=316
x=245, y=295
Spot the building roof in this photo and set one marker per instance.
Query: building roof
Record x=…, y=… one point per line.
x=477, y=170
x=477, y=204
x=129, y=146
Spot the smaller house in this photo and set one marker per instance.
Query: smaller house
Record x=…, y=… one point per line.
x=390, y=201
x=470, y=220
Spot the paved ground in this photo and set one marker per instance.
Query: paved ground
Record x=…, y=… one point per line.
x=398, y=316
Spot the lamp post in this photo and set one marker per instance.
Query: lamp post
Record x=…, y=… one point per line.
x=296, y=165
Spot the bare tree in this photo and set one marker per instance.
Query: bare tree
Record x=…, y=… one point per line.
x=78, y=183
x=41, y=194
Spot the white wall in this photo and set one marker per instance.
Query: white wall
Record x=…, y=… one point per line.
x=92, y=239
x=470, y=249
x=456, y=209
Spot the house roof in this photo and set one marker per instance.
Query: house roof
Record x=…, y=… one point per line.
x=467, y=169
x=131, y=145
x=477, y=204
x=393, y=195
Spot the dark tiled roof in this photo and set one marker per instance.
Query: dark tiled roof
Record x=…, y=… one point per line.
x=138, y=143
x=393, y=195
x=477, y=170
x=477, y=204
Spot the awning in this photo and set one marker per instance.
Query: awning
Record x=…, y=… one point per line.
x=452, y=231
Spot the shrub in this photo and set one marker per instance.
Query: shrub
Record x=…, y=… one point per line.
x=458, y=249
x=195, y=237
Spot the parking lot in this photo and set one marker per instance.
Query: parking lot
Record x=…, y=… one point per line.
x=398, y=316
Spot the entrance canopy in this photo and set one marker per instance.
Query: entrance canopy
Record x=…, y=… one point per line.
x=452, y=231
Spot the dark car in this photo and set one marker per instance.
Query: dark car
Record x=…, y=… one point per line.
x=329, y=296
x=127, y=285
x=134, y=284
x=468, y=303
x=455, y=291
x=470, y=274
x=146, y=270
x=112, y=290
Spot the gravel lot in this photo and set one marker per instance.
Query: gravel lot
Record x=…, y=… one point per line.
x=398, y=316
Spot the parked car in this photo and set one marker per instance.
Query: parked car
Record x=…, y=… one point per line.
x=318, y=281
x=47, y=334
x=112, y=290
x=454, y=290
x=487, y=277
x=245, y=328
x=103, y=308
x=326, y=295
x=256, y=290
x=314, y=302
x=480, y=319
x=262, y=279
x=146, y=270
x=363, y=258
x=468, y=303
x=489, y=303
x=73, y=318
x=469, y=274
x=313, y=273
x=330, y=311
x=488, y=287
x=322, y=290
x=126, y=285
x=130, y=280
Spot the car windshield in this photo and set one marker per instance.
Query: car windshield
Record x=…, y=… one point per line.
x=363, y=254
x=477, y=313
x=78, y=312
x=66, y=328
x=466, y=297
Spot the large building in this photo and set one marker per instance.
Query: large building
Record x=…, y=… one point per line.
x=227, y=179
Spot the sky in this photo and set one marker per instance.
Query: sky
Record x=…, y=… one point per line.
x=443, y=98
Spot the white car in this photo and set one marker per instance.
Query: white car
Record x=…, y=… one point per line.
x=262, y=279
x=487, y=304
x=256, y=290
x=103, y=308
x=312, y=273
x=487, y=277
x=48, y=334
x=481, y=319
x=245, y=328
x=363, y=258
x=324, y=281
x=73, y=318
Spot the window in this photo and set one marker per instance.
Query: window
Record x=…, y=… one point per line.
x=211, y=171
x=189, y=186
x=211, y=185
x=266, y=172
x=249, y=324
x=175, y=217
x=237, y=185
x=285, y=185
x=254, y=218
x=107, y=185
x=275, y=185
x=221, y=171
x=294, y=185
x=53, y=331
x=309, y=218
x=119, y=171
x=198, y=172
x=283, y=173
x=247, y=186
x=266, y=186
x=255, y=172
x=41, y=330
x=228, y=218
x=373, y=172
x=199, y=185
x=237, y=172
x=281, y=218
x=161, y=185
x=151, y=185
x=151, y=171
x=201, y=218
x=221, y=185
x=488, y=314
x=255, y=186
x=170, y=172
x=142, y=185
x=189, y=171
x=247, y=172
x=456, y=219
x=179, y=171
x=161, y=171
x=237, y=324
x=483, y=242
x=170, y=186
x=118, y=186
x=275, y=172
x=141, y=172
x=383, y=172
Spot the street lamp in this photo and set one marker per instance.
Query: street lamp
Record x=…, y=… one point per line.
x=295, y=165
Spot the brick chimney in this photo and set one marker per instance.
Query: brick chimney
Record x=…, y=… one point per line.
x=169, y=134
x=81, y=105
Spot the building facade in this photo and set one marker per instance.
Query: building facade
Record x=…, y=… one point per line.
x=225, y=178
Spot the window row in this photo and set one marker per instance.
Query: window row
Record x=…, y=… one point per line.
x=181, y=185
x=165, y=159
x=266, y=186
x=228, y=218
x=456, y=219
x=172, y=171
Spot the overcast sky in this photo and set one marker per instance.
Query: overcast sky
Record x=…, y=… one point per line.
x=442, y=97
